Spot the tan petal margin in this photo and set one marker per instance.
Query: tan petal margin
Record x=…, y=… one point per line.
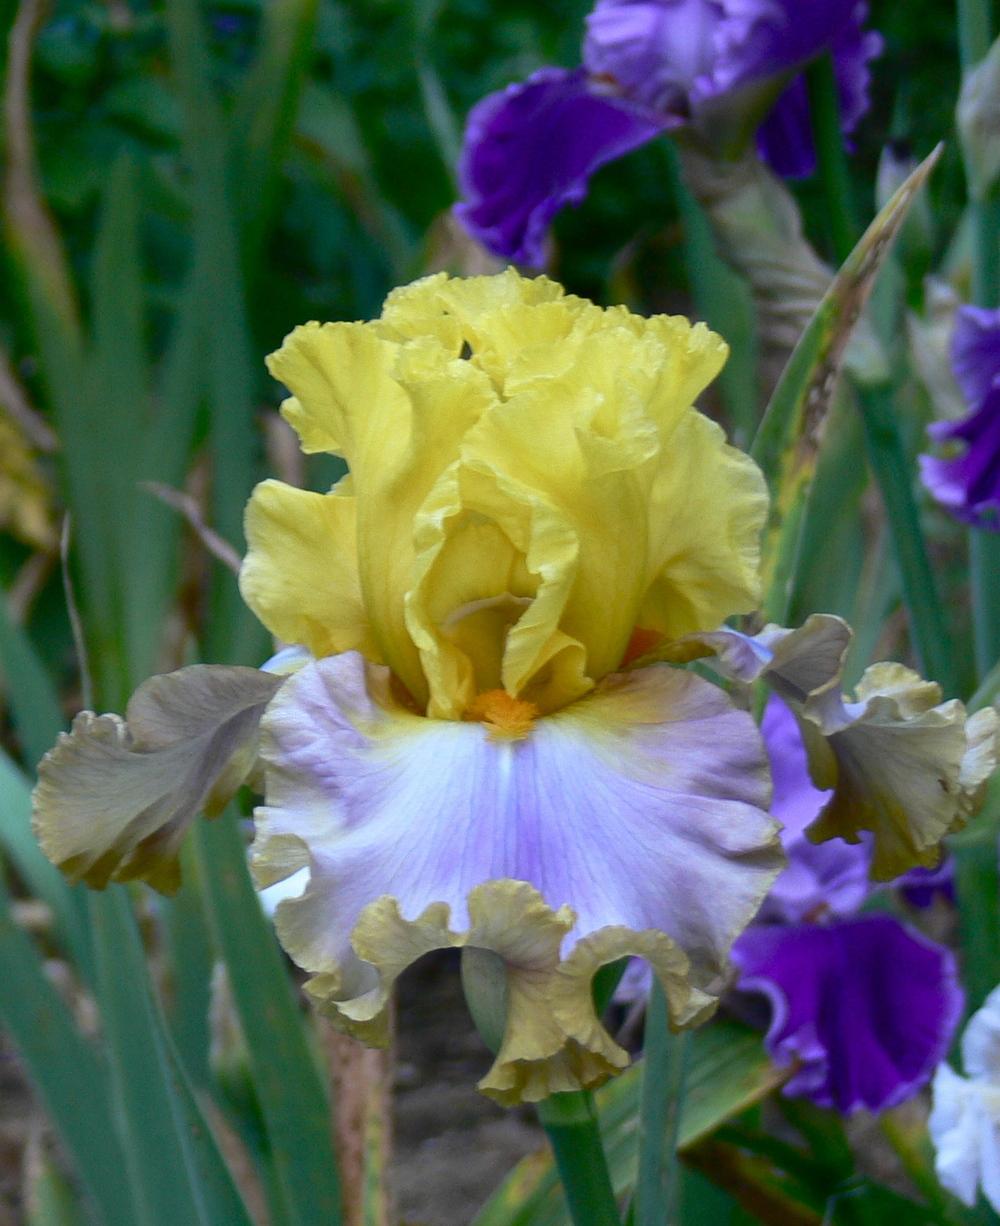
x=553, y=1040
x=115, y=796
x=901, y=763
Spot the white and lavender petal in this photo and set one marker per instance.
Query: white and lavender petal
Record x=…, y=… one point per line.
x=661, y=53
x=638, y=811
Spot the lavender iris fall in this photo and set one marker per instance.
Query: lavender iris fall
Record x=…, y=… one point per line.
x=651, y=66
x=968, y=483
x=865, y=1006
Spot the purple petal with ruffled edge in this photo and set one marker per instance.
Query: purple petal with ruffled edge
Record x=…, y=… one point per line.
x=785, y=138
x=968, y=484
x=763, y=38
x=975, y=352
x=821, y=877
x=660, y=53
x=866, y=1007
x=531, y=149
x=675, y=56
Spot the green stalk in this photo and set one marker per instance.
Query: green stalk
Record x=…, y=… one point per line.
x=989, y=690
x=975, y=30
x=883, y=442
x=834, y=173
x=891, y=467
x=664, y=1068
x=570, y=1122
x=984, y=567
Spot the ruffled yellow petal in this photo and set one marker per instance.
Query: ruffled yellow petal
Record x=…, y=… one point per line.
x=531, y=483
x=553, y=1040
x=705, y=549
x=300, y=575
x=397, y=414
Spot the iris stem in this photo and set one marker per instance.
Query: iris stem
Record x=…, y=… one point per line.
x=886, y=453
x=834, y=172
x=570, y=1122
x=989, y=690
x=975, y=31
x=975, y=35
x=891, y=466
x=664, y=1069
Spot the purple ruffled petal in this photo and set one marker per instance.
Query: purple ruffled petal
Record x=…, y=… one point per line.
x=661, y=53
x=821, y=877
x=975, y=352
x=785, y=138
x=765, y=38
x=969, y=484
x=675, y=56
x=866, y=1007
x=531, y=149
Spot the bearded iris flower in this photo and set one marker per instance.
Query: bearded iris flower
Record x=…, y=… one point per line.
x=968, y=483
x=484, y=739
x=651, y=66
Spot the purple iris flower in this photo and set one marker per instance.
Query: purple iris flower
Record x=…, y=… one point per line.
x=968, y=484
x=863, y=1005
x=651, y=66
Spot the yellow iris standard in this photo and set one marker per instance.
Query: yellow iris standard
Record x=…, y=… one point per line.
x=529, y=483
